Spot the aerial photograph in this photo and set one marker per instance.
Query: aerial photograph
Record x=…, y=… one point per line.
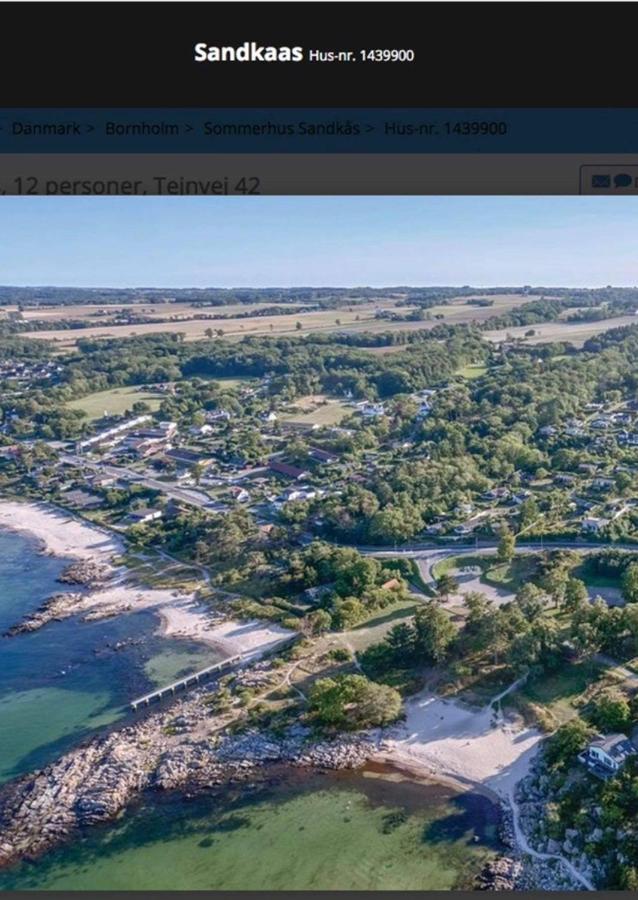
x=319, y=543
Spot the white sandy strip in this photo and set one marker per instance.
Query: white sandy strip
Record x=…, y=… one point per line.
x=250, y=638
x=59, y=532
x=443, y=738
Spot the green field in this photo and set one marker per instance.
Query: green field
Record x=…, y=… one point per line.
x=557, y=693
x=114, y=402
x=230, y=381
x=331, y=413
x=472, y=371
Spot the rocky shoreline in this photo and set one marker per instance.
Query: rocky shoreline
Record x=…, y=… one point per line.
x=533, y=795
x=174, y=748
x=86, y=573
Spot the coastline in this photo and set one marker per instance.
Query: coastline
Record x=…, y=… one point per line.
x=60, y=534
x=440, y=742
x=473, y=748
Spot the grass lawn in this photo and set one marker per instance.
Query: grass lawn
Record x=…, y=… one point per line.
x=330, y=413
x=594, y=580
x=509, y=576
x=479, y=691
x=472, y=371
x=229, y=381
x=114, y=402
x=551, y=698
x=374, y=629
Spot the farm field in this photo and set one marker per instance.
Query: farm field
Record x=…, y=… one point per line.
x=348, y=318
x=96, y=311
x=547, y=332
x=329, y=413
x=114, y=402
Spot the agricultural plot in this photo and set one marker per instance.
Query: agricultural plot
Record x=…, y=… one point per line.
x=354, y=318
x=114, y=402
x=548, y=332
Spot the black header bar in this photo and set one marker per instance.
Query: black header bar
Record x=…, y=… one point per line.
x=464, y=54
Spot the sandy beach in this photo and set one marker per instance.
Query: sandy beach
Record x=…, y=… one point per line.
x=252, y=638
x=444, y=740
x=181, y=614
x=59, y=533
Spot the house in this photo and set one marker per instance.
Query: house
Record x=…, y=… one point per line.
x=217, y=415
x=371, y=410
x=322, y=456
x=112, y=435
x=240, y=494
x=602, y=484
x=594, y=525
x=607, y=755
x=187, y=458
x=82, y=499
x=144, y=515
x=497, y=493
x=270, y=417
x=11, y=452
x=201, y=430
x=284, y=469
x=547, y=431
x=144, y=447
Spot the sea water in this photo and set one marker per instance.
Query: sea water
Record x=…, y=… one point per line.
x=337, y=831
x=68, y=678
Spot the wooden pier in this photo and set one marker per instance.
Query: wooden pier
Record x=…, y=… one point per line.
x=194, y=678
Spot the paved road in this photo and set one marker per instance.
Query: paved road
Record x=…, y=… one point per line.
x=430, y=555
x=190, y=496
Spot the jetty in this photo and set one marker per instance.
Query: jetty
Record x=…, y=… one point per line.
x=193, y=678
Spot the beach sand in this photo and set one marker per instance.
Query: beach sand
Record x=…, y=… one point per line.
x=182, y=615
x=443, y=739
x=251, y=638
x=59, y=532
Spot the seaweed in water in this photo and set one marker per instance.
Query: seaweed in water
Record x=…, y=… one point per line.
x=393, y=820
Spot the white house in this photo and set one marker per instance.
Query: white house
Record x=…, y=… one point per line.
x=141, y=516
x=607, y=755
x=593, y=524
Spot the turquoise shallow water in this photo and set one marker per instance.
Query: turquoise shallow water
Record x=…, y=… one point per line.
x=337, y=831
x=306, y=832
x=59, y=683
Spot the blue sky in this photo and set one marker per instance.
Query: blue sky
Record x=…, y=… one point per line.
x=344, y=241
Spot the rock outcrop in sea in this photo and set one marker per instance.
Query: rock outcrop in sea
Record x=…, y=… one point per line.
x=175, y=748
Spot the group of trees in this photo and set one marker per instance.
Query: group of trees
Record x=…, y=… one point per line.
x=352, y=702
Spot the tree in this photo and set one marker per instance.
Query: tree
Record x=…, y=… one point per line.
x=531, y=601
x=575, y=595
x=529, y=512
x=434, y=633
x=348, y=613
x=319, y=621
x=566, y=743
x=554, y=582
x=446, y=584
x=401, y=640
x=353, y=702
x=610, y=713
x=209, y=333
x=506, y=546
x=630, y=583
x=196, y=472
